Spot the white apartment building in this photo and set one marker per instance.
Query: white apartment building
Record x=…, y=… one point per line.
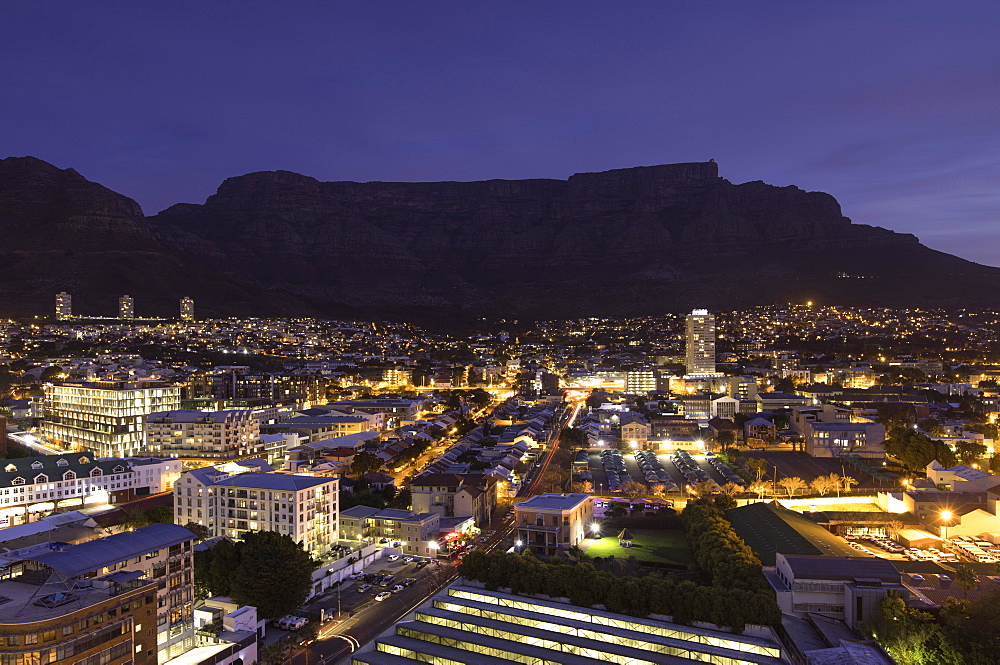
x=31, y=487
x=105, y=417
x=187, y=309
x=303, y=507
x=191, y=434
x=699, y=347
x=126, y=307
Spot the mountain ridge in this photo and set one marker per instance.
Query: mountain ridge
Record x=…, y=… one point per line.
x=625, y=241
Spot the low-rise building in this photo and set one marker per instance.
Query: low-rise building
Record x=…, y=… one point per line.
x=453, y=495
x=209, y=436
x=549, y=522
x=414, y=533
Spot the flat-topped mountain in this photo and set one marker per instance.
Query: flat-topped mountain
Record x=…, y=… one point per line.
x=628, y=241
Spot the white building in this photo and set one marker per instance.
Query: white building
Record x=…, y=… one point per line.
x=549, y=522
x=699, y=338
x=106, y=417
x=34, y=486
x=303, y=507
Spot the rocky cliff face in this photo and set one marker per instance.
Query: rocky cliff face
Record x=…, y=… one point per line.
x=638, y=240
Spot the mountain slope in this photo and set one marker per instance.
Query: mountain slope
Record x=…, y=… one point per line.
x=629, y=241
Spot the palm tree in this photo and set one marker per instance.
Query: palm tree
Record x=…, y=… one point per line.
x=966, y=578
x=848, y=482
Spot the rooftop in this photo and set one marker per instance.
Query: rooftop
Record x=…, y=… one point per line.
x=275, y=481
x=553, y=502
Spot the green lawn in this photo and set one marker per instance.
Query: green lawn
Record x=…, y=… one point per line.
x=653, y=545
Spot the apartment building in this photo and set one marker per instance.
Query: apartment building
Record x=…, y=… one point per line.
x=34, y=486
x=125, y=598
x=303, y=507
x=410, y=531
x=455, y=495
x=550, y=522
x=212, y=437
x=104, y=417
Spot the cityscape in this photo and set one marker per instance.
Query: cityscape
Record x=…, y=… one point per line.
x=517, y=333
x=756, y=486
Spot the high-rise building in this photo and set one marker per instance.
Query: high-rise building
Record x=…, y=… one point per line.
x=700, y=342
x=126, y=308
x=105, y=417
x=64, y=305
x=187, y=309
x=640, y=381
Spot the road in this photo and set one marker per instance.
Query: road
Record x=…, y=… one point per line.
x=371, y=618
x=31, y=442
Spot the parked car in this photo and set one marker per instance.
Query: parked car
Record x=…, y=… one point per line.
x=364, y=587
x=382, y=596
x=393, y=557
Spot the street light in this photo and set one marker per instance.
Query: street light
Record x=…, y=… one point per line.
x=946, y=518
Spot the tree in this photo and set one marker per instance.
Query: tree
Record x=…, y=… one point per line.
x=731, y=489
x=822, y=485
x=366, y=463
x=785, y=385
x=274, y=573
x=758, y=466
x=792, y=484
x=726, y=438
x=617, y=509
x=633, y=489
x=574, y=437
x=200, y=531
x=52, y=373
x=847, y=482
x=583, y=487
x=966, y=579
x=969, y=451
x=134, y=519
x=760, y=489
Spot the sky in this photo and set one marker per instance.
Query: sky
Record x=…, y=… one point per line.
x=892, y=107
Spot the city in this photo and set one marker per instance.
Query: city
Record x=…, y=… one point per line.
x=792, y=471
x=519, y=333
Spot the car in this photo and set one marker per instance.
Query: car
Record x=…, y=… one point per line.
x=382, y=596
x=393, y=557
x=354, y=576
x=397, y=588
x=408, y=559
x=364, y=587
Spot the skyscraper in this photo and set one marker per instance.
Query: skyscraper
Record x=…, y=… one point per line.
x=700, y=342
x=187, y=309
x=64, y=305
x=126, y=308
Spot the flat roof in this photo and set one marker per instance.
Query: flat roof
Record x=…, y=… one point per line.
x=553, y=502
x=274, y=481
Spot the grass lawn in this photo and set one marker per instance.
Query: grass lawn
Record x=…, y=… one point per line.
x=653, y=545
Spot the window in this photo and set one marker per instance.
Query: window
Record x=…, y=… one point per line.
x=69, y=475
x=17, y=481
x=41, y=478
x=36, y=465
x=61, y=462
x=95, y=473
x=10, y=468
x=84, y=460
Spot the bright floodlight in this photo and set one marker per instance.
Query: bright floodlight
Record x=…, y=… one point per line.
x=595, y=527
x=433, y=545
x=946, y=514
x=519, y=543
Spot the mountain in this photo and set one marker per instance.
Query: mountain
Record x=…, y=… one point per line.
x=628, y=241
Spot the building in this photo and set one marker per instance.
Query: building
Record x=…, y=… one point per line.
x=455, y=495
x=64, y=305
x=640, y=381
x=212, y=436
x=105, y=417
x=840, y=587
x=550, y=522
x=126, y=307
x=125, y=598
x=836, y=439
x=34, y=486
x=413, y=533
x=699, y=346
x=269, y=387
x=469, y=624
x=303, y=507
x=187, y=309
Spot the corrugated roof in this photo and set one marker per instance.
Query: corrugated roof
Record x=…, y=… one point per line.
x=94, y=554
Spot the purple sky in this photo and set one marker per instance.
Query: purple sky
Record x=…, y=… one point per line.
x=892, y=107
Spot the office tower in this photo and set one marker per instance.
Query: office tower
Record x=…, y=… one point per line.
x=64, y=305
x=187, y=309
x=640, y=381
x=105, y=417
x=126, y=308
x=700, y=342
